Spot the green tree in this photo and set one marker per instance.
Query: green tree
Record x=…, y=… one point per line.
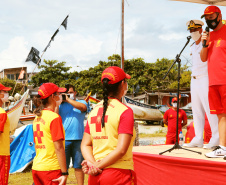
x=11, y=83
x=90, y=80
x=53, y=71
x=148, y=76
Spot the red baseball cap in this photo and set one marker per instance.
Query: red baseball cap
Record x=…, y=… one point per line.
x=2, y=87
x=46, y=89
x=114, y=74
x=174, y=99
x=210, y=10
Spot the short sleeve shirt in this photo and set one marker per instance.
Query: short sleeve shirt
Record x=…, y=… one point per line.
x=217, y=57
x=171, y=116
x=46, y=129
x=119, y=119
x=73, y=120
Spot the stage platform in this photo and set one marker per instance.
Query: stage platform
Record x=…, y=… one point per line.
x=178, y=167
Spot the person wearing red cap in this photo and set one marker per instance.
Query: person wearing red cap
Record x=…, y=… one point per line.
x=199, y=91
x=170, y=119
x=49, y=165
x=4, y=137
x=214, y=52
x=109, y=134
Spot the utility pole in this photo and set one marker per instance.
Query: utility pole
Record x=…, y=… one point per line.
x=122, y=37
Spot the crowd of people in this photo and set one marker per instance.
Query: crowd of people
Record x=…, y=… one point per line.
x=103, y=150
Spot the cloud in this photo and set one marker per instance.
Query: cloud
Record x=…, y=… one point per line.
x=172, y=36
x=14, y=55
x=153, y=29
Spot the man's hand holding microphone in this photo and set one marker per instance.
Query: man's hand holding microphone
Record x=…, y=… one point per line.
x=205, y=38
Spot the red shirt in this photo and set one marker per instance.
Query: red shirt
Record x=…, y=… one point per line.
x=171, y=116
x=217, y=57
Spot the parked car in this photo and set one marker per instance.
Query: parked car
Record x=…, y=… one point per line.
x=163, y=108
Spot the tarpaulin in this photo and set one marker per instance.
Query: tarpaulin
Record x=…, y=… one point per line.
x=152, y=169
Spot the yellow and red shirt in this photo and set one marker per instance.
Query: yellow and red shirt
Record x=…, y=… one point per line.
x=4, y=136
x=118, y=120
x=46, y=129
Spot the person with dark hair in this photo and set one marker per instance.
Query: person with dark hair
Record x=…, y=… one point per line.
x=73, y=113
x=4, y=137
x=49, y=165
x=109, y=134
x=214, y=52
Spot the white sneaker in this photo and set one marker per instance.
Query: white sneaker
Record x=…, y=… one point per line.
x=193, y=145
x=210, y=146
x=218, y=152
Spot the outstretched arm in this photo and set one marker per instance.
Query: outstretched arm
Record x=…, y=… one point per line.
x=78, y=105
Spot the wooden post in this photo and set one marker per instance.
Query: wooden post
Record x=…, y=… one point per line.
x=122, y=37
x=136, y=141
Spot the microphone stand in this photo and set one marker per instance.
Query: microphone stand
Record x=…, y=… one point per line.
x=178, y=60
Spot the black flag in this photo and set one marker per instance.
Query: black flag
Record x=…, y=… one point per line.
x=33, y=56
x=64, y=23
x=52, y=38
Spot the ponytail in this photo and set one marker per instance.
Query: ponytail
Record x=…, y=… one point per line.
x=108, y=88
x=39, y=104
x=105, y=95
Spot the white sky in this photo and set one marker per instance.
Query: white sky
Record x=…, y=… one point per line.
x=153, y=29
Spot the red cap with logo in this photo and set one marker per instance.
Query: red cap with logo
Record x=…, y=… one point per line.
x=210, y=10
x=114, y=74
x=3, y=88
x=174, y=99
x=46, y=89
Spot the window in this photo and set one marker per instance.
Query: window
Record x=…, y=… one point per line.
x=17, y=75
x=10, y=76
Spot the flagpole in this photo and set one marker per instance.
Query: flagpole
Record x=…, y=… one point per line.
x=64, y=23
x=16, y=82
x=122, y=37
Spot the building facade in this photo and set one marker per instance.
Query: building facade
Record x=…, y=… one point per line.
x=18, y=74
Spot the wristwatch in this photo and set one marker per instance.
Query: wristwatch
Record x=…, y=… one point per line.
x=65, y=173
x=206, y=46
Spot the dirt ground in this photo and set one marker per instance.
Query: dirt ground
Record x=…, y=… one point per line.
x=155, y=129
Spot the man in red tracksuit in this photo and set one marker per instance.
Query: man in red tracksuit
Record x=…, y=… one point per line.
x=170, y=119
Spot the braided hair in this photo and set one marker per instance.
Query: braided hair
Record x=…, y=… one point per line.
x=108, y=88
x=39, y=104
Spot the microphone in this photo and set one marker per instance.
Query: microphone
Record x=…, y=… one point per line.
x=207, y=32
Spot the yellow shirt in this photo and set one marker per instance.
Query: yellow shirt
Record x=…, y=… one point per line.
x=118, y=120
x=4, y=136
x=46, y=129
